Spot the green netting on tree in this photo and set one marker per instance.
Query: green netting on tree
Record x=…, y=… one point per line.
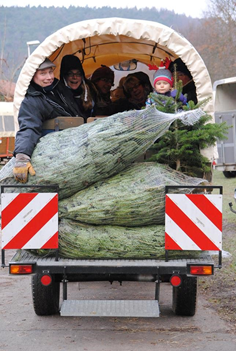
x=81, y=241
x=78, y=157
x=133, y=197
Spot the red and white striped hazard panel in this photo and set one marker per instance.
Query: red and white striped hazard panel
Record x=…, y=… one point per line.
x=29, y=220
x=193, y=222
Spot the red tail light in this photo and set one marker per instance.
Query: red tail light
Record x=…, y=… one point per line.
x=21, y=269
x=201, y=269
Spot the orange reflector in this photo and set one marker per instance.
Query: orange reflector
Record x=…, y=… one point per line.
x=46, y=280
x=175, y=280
x=21, y=269
x=201, y=269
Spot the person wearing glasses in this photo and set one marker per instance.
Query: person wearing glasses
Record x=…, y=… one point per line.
x=103, y=80
x=73, y=76
x=45, y=99
x=136, y=88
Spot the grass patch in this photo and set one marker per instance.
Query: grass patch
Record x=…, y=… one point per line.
x=229, y=185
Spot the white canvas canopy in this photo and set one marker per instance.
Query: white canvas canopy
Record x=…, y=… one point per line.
x=109, y=41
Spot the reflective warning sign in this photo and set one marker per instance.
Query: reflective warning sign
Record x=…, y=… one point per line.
x=193, y=222
x=29, y=220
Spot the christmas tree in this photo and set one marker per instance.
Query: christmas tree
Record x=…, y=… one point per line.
x=180, y=146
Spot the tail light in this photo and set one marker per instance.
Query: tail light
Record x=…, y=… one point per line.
x=201, y=270
x=21, y=269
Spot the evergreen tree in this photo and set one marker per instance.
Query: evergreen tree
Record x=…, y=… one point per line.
x=180, y=146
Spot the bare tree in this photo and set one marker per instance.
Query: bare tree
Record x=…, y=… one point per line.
x=8, y=72
x=216, y=39
x=224, y=9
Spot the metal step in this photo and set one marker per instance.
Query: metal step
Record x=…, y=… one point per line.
x=110, y=308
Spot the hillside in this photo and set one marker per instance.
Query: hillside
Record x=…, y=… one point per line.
x=23, y=24
x=213, y=37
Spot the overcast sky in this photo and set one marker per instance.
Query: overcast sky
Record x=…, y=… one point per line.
x=187, y=7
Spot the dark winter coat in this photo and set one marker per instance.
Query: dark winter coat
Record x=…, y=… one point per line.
x=103, y=105
x=85, y=94
x=38, y=106
x=120, y=105
x=190, y=90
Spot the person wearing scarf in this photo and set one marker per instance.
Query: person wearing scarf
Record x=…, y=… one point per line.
x=72, y=75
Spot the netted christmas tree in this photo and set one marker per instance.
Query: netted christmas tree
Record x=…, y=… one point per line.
x=180, y=146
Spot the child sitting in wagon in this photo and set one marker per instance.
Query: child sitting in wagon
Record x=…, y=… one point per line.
x=163, y=85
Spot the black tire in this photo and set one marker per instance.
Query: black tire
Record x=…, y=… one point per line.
x=229, y=174
x=45, y=298
x=184, y=297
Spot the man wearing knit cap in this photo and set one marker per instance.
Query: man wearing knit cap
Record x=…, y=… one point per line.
x=46, y=98
x=163, y=84
x=103, y=79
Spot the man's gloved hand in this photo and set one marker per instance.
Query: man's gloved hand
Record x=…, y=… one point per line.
x=22, y=167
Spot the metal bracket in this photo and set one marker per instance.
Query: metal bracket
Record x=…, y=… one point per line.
x=231, y=208
x=64, y=281
x=3, y=265
x=157, y=288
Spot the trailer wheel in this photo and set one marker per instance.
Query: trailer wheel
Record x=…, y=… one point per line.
x=184, y=297
x=229, y=174
x=45, y=298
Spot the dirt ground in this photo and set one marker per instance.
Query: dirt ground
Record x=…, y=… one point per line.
x=220, y=290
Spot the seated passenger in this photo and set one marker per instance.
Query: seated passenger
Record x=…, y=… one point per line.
x=118, y=93
x=103, y=79
x=163, y=85
x=73, y=76
x=185, y=76
x=136, y=88
x=45, y=99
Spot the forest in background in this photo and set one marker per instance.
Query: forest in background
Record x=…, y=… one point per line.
x=213, y=36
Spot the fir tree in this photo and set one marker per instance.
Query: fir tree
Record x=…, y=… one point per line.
x=180, y=146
